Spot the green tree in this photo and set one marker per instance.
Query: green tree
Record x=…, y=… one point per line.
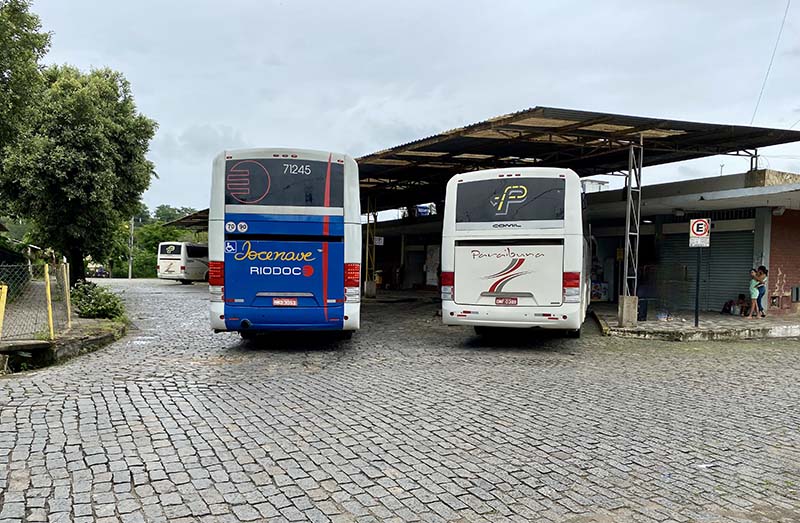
x=80, y=170
x=167, y=213
x=22, y=45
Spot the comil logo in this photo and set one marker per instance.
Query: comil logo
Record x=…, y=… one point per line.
x=513, y=194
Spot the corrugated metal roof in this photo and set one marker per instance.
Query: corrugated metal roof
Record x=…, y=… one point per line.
x=590, y=143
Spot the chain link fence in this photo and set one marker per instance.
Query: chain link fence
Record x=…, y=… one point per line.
x=36, y=297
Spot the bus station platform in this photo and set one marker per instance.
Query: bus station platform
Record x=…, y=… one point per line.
x=679, y=326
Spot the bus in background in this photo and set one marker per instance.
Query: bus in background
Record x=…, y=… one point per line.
x=515, y=250
x=182, y=261
x=284, y=232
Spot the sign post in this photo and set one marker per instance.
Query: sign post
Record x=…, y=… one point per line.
x=699, y=237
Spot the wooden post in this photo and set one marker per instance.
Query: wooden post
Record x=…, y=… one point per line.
x=67, y=296
x=3, y=295
x=49, y=300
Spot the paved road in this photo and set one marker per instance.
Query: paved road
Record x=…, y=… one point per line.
x=410, y=421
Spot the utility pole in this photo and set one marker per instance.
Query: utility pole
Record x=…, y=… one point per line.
x=130, y=252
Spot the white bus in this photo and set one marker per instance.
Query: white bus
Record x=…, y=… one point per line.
x=284, y=233
x=515, y=250
x=182, y=261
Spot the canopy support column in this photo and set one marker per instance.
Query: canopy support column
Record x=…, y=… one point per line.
x=629, y=301
x=370, y=288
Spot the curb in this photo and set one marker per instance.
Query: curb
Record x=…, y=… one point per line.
x=689, y=334
x=41, y=354
x=606, y=330
x=67, y=348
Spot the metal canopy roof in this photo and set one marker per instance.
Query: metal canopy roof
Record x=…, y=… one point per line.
x=588, y=142
x=197, y=221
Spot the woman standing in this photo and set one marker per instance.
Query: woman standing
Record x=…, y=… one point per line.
x=761, y=276
x=753, y=294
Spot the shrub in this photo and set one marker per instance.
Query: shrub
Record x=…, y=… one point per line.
x=93, y=301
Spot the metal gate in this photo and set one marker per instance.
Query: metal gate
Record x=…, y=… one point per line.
x=723, y=270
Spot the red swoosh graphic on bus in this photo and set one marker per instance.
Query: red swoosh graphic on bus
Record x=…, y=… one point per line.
x=514, y=265
x=507, y=274
x=494, y=286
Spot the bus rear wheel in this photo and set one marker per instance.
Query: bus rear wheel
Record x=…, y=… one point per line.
x=186, y=282
x=575, y=333
x=248, y=335
x=482, y=331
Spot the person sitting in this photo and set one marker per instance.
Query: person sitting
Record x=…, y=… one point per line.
x=741, y=305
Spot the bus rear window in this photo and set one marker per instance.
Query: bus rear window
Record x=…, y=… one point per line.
x=511, y=199
x=289, y=182
x=171, y=249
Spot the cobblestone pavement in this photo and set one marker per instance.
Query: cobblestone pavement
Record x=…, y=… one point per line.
x=409, y=421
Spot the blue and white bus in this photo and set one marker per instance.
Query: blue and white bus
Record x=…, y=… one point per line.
x=284, y=237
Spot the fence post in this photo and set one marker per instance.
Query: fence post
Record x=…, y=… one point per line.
x=49, y=300
x=67, y=295
x=3, y=295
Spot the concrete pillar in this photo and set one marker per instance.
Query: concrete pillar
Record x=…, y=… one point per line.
x=762, y=234
x=628, y=311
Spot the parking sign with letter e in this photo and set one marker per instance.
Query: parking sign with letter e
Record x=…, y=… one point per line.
x=700, y=232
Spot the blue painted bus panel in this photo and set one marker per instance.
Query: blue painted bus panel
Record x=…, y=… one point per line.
x=295, y=225
x=259, y=275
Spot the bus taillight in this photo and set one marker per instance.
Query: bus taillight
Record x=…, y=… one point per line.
x=216, y=273
x=572, y=290
x=448, y=285
x=352, y=282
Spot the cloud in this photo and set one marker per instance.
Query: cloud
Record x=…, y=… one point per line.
x=358, y=77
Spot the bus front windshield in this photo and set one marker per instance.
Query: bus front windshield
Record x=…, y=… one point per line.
x=284, y=182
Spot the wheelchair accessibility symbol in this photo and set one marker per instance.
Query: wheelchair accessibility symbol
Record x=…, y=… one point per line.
x=230, y=247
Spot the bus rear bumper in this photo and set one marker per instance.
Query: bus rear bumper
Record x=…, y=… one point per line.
x=567, y=316
x=340, y=318
x=177, y=276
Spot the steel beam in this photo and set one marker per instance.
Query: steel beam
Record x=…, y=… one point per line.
x=633, y=185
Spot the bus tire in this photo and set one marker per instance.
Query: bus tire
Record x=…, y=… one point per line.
x=346, y=335
x=248, y=335
x=482, y=331
x=575, y=333
x=205, y=277
x=186, y=282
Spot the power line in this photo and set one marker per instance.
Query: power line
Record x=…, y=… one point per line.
x=797, y=122
x=772, y=58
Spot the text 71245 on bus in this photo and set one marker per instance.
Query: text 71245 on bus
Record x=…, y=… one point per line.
x=515, y=250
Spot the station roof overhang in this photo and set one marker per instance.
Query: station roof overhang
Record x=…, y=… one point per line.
x=590, y=143
x=738, y=191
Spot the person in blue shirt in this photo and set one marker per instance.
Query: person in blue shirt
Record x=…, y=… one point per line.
x=761, y=276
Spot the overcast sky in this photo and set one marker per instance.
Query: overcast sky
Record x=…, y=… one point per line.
x=358, y=77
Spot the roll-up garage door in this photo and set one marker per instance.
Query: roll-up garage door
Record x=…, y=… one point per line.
x=723, y=270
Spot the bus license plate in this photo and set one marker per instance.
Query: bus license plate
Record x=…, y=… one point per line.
x=505, y=301
x=284, y=302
